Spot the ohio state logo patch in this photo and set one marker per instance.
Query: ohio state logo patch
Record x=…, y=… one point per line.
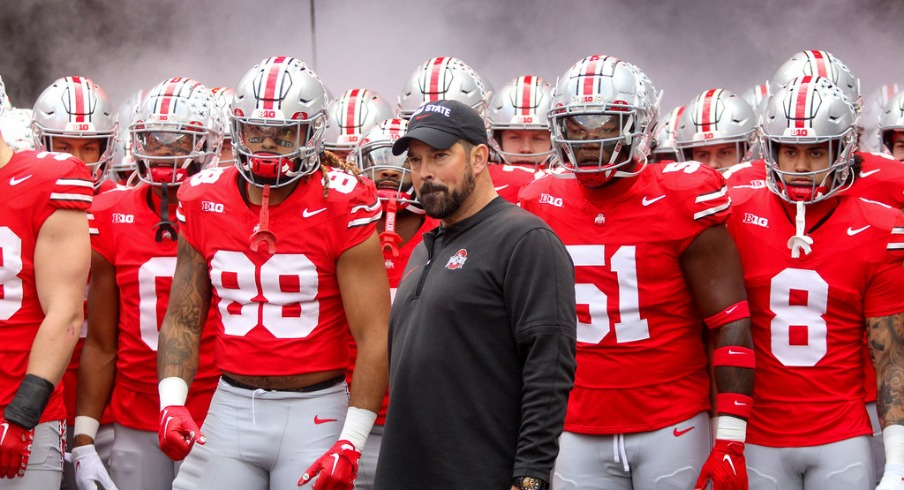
x=457, y=261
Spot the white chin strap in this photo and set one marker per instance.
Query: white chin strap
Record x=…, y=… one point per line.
x=800, y=241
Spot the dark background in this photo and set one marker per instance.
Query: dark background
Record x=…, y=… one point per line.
x=685, y=46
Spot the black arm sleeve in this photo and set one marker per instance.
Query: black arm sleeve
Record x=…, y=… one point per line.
x=540, y=298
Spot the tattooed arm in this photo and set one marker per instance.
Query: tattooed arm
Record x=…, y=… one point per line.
x=886, y=341
x=180, y=333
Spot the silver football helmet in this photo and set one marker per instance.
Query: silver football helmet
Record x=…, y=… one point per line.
x=873, y=116
x=76, y=107
x=521, y=104
x=5, y=104
x=443, y=78
x=351, y=116
x=15, y=126
x=892, y=120
x=663, y=147
x=821, y=64
x=809, y=110
x=716, y=117
x=282, y=101
x=756, y=96
x=176, y=131
x=223, y=97
x=373, y=156
x=601, y=118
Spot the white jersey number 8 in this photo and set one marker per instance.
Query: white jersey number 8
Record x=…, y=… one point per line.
x=807, y=317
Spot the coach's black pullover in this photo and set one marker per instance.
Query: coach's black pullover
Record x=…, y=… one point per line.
x=482, y=355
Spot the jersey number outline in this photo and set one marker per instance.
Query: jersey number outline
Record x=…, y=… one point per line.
x=807, y=315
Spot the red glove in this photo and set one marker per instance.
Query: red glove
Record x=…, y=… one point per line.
x=337, y=468
x=178, y=432
x=15, y=448
x=725, y=467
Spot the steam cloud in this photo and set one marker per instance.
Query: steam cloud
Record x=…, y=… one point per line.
x=684, y=46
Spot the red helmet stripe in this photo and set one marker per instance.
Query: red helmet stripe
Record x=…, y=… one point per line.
x=350, y=102
x=802, y=102
x=76, y=98
x=272, y=80
x=589, y=72
x=821, y=63
x=707, y=108
x=527, y=94
x=437, y=71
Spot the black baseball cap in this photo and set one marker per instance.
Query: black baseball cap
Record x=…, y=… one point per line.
x=440, y=124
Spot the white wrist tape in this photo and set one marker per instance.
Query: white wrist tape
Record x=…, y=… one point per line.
x=358, y=423
x=86, y=426
x=893, y=436
x=731, y=428
x=173, y=391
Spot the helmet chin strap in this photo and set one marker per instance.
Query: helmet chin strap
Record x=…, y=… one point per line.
x=800, y=241
x=263, y=233
x=165, y=225
x=389, y=239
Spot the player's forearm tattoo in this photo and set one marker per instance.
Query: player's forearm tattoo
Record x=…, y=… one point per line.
x=886, y=337
x=180, y=333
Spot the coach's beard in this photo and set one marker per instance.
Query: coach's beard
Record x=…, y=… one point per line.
x=440, y=203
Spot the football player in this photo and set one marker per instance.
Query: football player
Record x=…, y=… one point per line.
x=891, y=127
x=73, y=115
x=716, y=129
x=45, y=254
x=809, y=428
x=662, y=148
x=654, y=265
x=519, y=134
x=284, y=252
x=223, y=97
x=351, y=116
x=176, y=131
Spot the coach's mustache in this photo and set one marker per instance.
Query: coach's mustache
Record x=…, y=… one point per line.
x=430, y=186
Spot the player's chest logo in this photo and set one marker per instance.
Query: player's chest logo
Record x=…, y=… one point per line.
x=753, y=219
x=600, y=219
x=123, y=218
x=457, y=261
x=212, y=207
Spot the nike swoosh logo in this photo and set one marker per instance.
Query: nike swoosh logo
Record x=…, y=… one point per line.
x=318, y=420
x=500, y=187
x=679, y=433
x=15, y=181
x=740, y=404
x=166, y=424
x=867, y=174
x=734, y=352
x=730, y=462
x=728, y=311
x=647, y=202
x=420, y=117
x=852, y=232
x=308, y=214
x=5, y=429
x=335, y=462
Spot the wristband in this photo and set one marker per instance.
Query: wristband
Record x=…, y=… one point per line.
x=173, y=391
x=731, y=428
x=730, y=314
x=86, y=426
x=358, y=423
x=893, y=437
x=30, y=401
x=734, y=404
x=734, y=356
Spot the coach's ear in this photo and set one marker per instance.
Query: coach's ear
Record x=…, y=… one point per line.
x=480, y=157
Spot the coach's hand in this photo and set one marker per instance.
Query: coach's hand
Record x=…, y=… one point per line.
x=337, y=468
x=178, y=432
x=725, y=467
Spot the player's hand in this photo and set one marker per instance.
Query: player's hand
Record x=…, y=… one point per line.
x=893, y=478
x=178, y=432
x=726, y=467
x=89, y=470
x=15, y=448
x=337, y=468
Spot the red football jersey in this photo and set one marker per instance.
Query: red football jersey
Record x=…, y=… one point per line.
x=808, y=314
x=123, y=233
x=509, y=179
x=881, y=179
x=641, y=359
x=33, y=186
x=278, y=314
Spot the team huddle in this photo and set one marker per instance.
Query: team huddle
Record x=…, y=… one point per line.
x=196, y=287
